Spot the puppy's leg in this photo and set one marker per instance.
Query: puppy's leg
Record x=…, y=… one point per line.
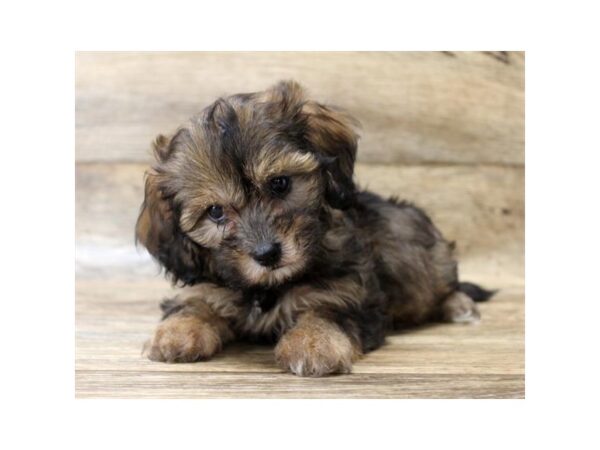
x=190, y=331
x=458, y=307
x=315, y=347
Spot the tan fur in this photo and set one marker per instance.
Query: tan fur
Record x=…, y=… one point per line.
x=459, y=308
x=153, y=209
x=207, y=233
x=193, y=333
x=183, y=339
x=307, y=189
x=315, y=347
x=300, y=299
x=330, y=125
x=291, y=264
x=292, y=261
x=220, y=300
x=274, y=162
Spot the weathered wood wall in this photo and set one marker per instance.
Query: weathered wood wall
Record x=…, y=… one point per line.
x=415, y=107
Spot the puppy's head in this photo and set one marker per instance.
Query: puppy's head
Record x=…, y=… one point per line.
x=241, y=194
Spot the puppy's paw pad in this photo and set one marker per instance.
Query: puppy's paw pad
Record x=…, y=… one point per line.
x=460, y=308
x=182, y=339
x=315, y=355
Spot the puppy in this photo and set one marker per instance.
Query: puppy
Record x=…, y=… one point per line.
x=252, y=207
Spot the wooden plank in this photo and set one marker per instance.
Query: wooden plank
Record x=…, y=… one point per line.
x=252, y=385
x=416, y=107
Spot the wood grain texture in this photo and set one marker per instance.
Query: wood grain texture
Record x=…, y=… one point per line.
x=118, y=290
x=252, y=385
x=415, y=107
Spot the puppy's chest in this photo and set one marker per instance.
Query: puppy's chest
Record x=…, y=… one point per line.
x=261, y=301
x=266, y=312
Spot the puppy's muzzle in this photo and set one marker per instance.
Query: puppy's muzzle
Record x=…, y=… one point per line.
x=267, y=254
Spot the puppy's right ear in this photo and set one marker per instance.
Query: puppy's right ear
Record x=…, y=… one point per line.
x=332, y=133
x=158, y=229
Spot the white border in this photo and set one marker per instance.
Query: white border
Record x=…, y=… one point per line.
x=562, y=223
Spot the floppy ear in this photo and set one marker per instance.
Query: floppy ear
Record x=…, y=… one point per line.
x=332, y=134
x=158, y=229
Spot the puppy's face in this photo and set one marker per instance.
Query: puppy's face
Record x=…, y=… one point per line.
x=256, y=211
x=240, y=195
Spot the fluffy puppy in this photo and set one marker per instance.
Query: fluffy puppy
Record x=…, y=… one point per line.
x=251, y=206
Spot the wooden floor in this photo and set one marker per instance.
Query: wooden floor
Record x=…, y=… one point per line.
x=118, y=289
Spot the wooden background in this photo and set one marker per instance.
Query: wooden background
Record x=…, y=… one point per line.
x=415, y=107
x=444, y=129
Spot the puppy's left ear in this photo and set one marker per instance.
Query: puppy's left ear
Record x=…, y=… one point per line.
x=332, y=133
x=158, y=228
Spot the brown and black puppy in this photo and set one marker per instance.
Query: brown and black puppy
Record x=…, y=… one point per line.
x=252, y=207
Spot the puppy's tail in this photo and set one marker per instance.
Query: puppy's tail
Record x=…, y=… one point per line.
x=476, y=292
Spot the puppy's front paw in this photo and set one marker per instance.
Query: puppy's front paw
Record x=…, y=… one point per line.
x=183, y=339
x=315, y=348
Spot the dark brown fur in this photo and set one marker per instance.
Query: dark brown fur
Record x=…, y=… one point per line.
x=351, y=264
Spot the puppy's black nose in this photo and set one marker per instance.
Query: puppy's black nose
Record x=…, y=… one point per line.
x=267, y=253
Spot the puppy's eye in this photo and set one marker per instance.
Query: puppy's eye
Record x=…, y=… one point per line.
x=280, y=185
x=215, y=212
